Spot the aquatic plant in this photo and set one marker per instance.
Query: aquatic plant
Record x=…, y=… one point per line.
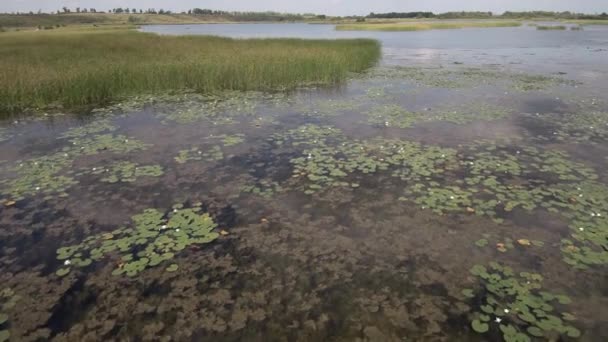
x=263, y=187
x=212, y=154
x=91, y=128
x=507, y=244
x=396, y=116
x=125, y=171
x=308, y=134
x=467, y=78
x=40, y=175
x=326, y=107
x=153, y=238
x=229, y=140
x=104, y=143
x=586, y=205
x=49, y=175
x=393, y=116
x=516, y=306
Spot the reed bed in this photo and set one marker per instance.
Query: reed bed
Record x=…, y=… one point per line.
x=551, y=28
x=70, y=69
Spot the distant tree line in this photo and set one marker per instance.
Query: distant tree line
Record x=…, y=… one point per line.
x=399, y=15
x=557, y=15
x=486, y=15
x=248, y=16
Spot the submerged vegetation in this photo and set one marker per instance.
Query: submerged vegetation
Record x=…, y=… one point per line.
x=421, y=26
x=41, y=70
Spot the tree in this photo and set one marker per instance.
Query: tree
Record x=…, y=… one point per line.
x=66, y=10
x=77, y=9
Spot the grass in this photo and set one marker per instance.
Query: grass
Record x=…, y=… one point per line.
x=54, y=20
x=426, y=25
x=76, y=68
x=588, y=22
x=551, y=27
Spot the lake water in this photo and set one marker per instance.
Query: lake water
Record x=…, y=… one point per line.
x=456, y=192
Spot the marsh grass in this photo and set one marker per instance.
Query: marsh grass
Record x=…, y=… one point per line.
x=551, y=27
x=428, y=25
x=71, y=69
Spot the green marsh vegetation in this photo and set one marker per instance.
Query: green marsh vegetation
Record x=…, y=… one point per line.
x=78, y=68
x=421, y=26
x=551, y=27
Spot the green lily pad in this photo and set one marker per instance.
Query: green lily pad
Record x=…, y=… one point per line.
x=479, y=326
x=62, y=272
x=172, y=268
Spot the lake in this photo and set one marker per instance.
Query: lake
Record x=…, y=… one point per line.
x=455, y=192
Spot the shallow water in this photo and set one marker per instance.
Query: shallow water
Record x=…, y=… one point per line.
x=359, y=212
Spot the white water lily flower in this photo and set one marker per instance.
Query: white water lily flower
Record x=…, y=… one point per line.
x=67, y=262
x=498, y=320
x=177, y=230
x=164, y=226
x=506, y=310
x=94, y=169
x=174, y=210
x=451, y=197
x=581, y=229
x=37, y=188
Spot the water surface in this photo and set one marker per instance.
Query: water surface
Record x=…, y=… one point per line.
x=363, y=211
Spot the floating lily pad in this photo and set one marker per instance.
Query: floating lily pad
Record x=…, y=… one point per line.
x=479, y=326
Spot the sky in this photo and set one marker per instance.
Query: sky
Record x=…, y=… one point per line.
x=331, y=7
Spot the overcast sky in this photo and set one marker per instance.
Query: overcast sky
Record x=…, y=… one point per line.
x=333, y=7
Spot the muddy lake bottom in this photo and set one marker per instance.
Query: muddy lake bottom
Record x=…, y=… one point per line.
x=431, y=203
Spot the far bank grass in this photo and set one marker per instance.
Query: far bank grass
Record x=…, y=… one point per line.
x=421, y=26
x=551, y=28
x=72, y=69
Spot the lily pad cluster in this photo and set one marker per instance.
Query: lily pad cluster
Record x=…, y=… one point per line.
x=214, y=153
x=394, y=115
x=515, y=306
x=91, y=128
x=500, y=178
x=125, y=171
x=327, y=107
x=8, y=300
x=329, y=158
x=264, y=188
x=230, y=140
x=217, y=109
x=586, y=205
x=40, y=175
x=50, y=175
x=153, y=238
x=581, y=126
x=507, y=243
x=458, y=77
